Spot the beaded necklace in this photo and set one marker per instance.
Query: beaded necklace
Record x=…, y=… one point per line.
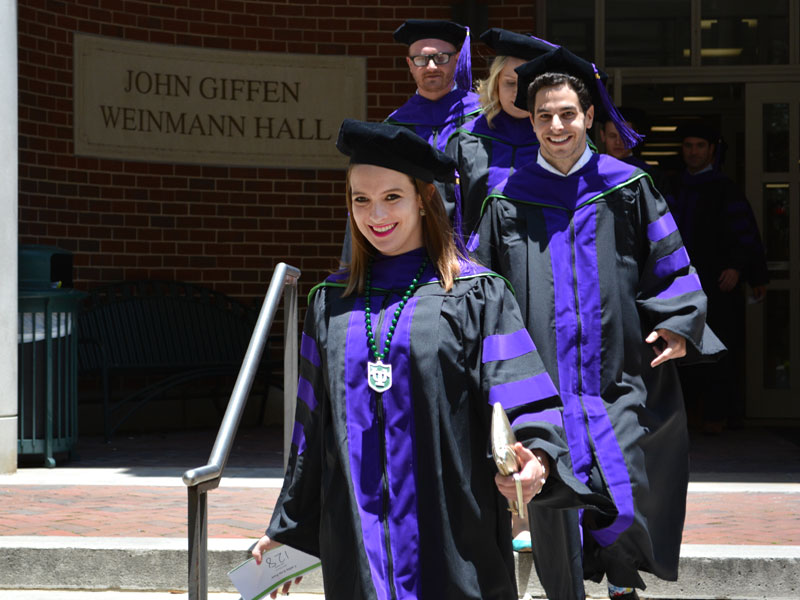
x=379, y=375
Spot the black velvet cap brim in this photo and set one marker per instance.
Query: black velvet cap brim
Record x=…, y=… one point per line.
x=394, y=147
x=423, y=29
x=509, y=43
x=698, y=129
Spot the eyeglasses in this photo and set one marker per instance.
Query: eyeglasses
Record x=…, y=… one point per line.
x=440, y=58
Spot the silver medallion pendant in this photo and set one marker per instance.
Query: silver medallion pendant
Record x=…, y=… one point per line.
x=379, y=376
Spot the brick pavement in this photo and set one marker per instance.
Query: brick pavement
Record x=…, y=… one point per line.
x=122, y=511
x=766, y=518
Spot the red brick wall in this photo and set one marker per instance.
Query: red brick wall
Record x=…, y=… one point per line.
x=221, y=227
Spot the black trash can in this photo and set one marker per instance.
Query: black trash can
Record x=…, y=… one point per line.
x=47, y=353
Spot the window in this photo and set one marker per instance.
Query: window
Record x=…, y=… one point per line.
x=743, y=32
x=647, y=34
x=571, y=24
x=658, y=33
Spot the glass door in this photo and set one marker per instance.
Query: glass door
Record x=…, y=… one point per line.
x=772, y=131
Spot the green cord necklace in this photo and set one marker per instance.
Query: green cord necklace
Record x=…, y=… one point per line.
x=379, y=375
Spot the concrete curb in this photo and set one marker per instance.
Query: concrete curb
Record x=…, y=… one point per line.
x=160, y=564
x=707, y=571
x=141, y=564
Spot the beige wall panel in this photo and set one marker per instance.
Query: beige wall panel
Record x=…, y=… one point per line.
x=156, y=102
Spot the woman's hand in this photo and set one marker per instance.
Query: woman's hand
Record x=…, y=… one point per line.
x=535, y=467
x=262, y=546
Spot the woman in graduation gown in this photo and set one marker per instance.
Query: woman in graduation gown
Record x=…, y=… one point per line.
x=402, y=356
x=488, y=149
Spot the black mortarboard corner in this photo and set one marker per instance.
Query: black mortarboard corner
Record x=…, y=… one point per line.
x=562, y=60
x=453, y=33
x=698, y=129
x=509, y=43
x=394, y=147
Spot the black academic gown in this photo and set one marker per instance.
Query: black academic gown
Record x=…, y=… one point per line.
x=720, y=232
x=395, y=492
x=486, y=155
x=597, y=263
x=436, y=120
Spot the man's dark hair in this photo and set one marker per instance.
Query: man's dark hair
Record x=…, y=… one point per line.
x=554, y=80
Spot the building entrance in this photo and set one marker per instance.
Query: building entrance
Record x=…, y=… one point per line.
x=760, y=124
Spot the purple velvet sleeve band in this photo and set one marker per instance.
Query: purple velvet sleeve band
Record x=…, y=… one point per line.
x=551, y=416
x=299, y=437
x=507, y=346
x=672, y=263
x=309, y=351
x=517, y=393
x=306, y=393
x=661, y=228
x=681, y=285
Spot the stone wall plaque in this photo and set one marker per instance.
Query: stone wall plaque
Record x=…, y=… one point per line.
x=156, y=102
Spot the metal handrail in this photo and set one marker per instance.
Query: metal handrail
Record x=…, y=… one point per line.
x=202, y=479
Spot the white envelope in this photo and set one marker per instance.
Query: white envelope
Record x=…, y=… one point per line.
x=279, y=565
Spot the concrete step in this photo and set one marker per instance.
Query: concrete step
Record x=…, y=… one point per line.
x=707, y=572
x=84, y=595
x=160, y=564
x=135, y=564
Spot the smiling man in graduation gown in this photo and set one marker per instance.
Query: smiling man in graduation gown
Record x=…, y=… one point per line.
x=608, y=294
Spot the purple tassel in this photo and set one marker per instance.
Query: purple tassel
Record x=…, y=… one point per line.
x=464, y=66
x=458, y=224
x=629, y=137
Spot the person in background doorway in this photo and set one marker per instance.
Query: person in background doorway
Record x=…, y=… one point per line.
x=615, y=146
x=720, y=233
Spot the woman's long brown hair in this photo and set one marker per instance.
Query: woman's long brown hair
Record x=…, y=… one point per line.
x=437, y=237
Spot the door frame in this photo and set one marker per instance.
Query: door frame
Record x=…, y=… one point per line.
x=761, y=402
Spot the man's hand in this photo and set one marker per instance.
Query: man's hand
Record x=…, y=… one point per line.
x=728, y=280
x=667, y=345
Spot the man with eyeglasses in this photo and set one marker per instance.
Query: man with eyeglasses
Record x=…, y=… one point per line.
x=444, y=98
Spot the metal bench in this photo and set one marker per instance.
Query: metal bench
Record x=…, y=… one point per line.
x=168, y=331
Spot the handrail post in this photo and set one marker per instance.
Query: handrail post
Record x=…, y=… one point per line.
x=198, y=543
x=202, y=479
x=290, y=362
